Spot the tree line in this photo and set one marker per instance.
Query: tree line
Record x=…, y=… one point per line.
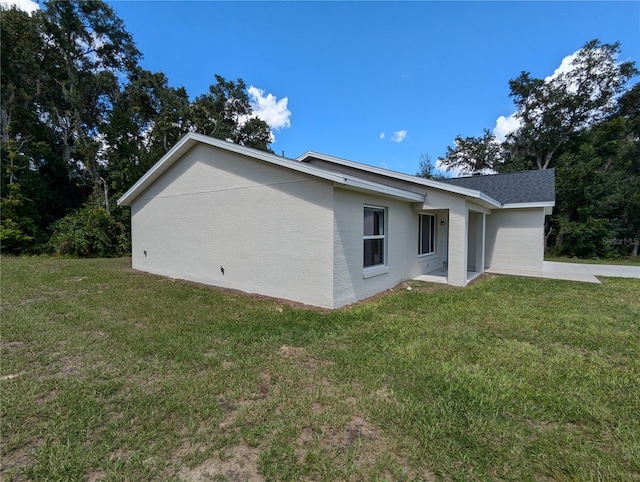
x=583, y=121
x=81, y=121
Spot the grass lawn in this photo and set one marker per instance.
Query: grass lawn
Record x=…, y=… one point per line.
x=110, y=374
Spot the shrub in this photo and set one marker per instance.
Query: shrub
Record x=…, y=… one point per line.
x=89, y=232
x=17, y=227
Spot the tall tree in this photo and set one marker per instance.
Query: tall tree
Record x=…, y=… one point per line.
x=225, y=113
x=473, y=155
x=148, y=117
x=36, y=186
x=80, y=121
x=87, y=49
x=427, y=168
x=598, y=192
x=552, y=109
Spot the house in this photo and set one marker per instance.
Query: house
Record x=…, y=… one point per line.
x=326, y=231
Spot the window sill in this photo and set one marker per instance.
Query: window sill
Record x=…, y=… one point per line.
x=374, y=271
x=426, y=257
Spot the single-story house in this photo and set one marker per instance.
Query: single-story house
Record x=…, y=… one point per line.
x=326, y=231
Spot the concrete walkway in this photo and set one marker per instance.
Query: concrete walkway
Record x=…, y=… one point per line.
x=578, y=272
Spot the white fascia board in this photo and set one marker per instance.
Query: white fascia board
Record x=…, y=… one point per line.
x=381, y=189
x=192, y=139
x=547, y=204
x=472, y=193
x=484, y=200
x=157, y=169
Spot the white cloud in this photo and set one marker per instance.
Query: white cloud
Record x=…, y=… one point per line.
x=565, y=66
x=506, y=125
x=28, y=6
x=398, y=136
x=443, y=168
x=382, y=135
x=268, y=108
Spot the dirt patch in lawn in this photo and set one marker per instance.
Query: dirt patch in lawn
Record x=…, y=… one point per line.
x=286, y=351
x=264, y=386
x=10, y=346
x=70, y=366
x=238, y=463
x=358, y=443
x=17, y=460
x=298, y=354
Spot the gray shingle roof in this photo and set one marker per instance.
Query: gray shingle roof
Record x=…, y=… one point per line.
x=513, y=187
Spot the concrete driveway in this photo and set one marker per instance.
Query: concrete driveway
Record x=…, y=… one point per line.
x=576, y=271
x=586, y=272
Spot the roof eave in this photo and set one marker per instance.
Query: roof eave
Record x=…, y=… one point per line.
x=357, y=184
x=471, y=193
x=192, y=139
x=544, y=204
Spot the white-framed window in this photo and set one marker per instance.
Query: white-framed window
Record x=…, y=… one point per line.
x=374, y=236
x=427, y=234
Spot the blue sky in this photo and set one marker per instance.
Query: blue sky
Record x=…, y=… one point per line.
x=351, y=74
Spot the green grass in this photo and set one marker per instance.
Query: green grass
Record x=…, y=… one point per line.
x=109, y=374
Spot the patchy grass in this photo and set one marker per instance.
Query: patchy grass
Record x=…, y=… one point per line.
x=110, y=374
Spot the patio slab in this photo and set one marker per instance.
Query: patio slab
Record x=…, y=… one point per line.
x=585, y=273
x=577, y=271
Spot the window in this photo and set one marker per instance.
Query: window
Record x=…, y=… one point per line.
x=427, y=234
x=374, y=235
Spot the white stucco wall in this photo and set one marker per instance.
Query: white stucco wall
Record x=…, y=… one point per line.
x=458, y=220
x=515, y=241
x=269, y=227
x=351, y=281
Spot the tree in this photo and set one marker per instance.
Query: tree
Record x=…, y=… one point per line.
x=225, y=113
x=147, y=119
x=427, y=168
x=60, y=71
x=87, y=48
x=81, y=121
x=35, y=191
x=473, y=155
x=551, y=110
x=585, y=122
x=598, y=192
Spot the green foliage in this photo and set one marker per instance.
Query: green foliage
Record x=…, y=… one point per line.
x=553, y=109
x=148, y=117
x=17, y=228
x=598, y=191
x=81, y=121
x=225, y=113
x=427, y=168
x=87, y=232
x=474, y=154
x=584, y=239
x=13, y=234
